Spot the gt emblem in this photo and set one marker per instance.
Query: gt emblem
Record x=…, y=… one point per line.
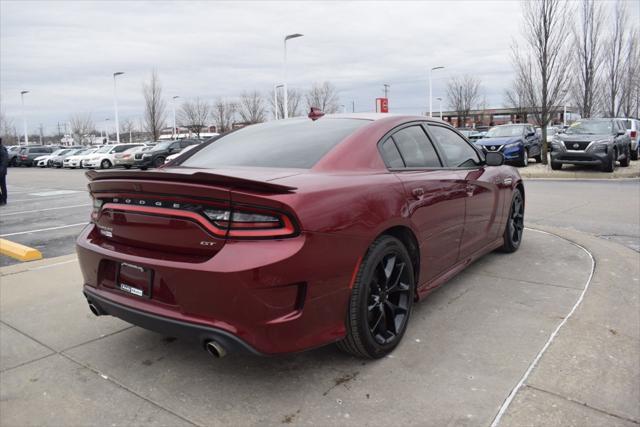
x=576, y=145
x=206, y=243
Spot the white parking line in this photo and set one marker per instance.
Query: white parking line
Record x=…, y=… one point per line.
x=47, y=209
x=553, y=335
x=42, y=197
x=44, y=229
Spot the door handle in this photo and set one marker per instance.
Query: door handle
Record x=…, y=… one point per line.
x=418, y=193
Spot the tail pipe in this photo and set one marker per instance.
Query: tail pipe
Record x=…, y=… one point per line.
x=215, y=349
x=95, y=310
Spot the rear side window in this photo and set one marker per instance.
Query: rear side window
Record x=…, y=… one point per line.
x=457, y=151
x=415, y=148
x=298, y=143
x=391, y=155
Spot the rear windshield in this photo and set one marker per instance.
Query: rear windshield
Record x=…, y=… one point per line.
x=279, y=144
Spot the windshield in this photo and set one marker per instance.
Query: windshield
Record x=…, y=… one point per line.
x=504, y=131
x=85, y=151
x=591, y=127
x=105, y=149
x=162, y=145
x=58, y=152
x=279, y=144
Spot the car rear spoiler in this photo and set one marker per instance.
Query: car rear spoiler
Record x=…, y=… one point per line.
x=195, y=176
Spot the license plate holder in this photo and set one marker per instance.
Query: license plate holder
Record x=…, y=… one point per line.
x=134, y=280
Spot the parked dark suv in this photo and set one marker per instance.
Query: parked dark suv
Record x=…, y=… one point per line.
x=598, y=142
x=26, y=155
x=156, y=156
x=517, y=142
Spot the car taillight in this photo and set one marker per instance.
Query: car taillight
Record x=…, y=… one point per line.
x=634, y=134
x=247, y=224
x=23, y=157
x=97, y=204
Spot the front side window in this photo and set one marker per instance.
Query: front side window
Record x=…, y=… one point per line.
x=296, y=143
x=415, y=148
x=457, y=152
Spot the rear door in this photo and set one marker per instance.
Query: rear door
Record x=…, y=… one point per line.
x=482, y=195
x=435, y=197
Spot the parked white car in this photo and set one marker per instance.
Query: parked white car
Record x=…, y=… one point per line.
x=75, y=161
x=184, y=150
x=42, y=161
x=103, y=157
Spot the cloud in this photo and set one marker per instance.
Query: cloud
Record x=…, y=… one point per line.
x=65, y=52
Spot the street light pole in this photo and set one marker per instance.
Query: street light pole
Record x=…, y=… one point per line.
x=174, y=116
x=284, y=72
x=115, y=104
x=24, y=118
x=431, y=90
x=440, y=106
x=106, y=129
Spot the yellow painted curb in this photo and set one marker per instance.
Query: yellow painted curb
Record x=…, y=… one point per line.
x=18, y=251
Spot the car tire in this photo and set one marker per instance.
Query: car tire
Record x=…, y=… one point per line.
x=105, y=164
x=12, y=162
x=371, y=334
x=525, y=159
x=538, y=158
x=610, y=164
x=514, y=229
x=634, y=153
x=127, y=166
x=627, y=157
x=556, y=166
x=158, y=161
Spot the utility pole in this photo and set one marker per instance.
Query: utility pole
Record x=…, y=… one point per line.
x=41, y=133
x=59, y=134
x=353, y=106
x=386, y=90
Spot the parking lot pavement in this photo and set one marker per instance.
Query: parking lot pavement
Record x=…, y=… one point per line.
x=467, y=346
x=46, y=210
x=536, y=170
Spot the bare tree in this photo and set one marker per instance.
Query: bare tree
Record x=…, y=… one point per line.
x=194, y=115
x=543, y=65
x=463, y=94
x=81, y=126
x=588, y=56
x=127, y=127
x=515, y=97
x=252, y=107
x=8, y=130
x=630, y=84
x=224, y=113
x=155, y=106
x=323, y=96
x=614, y=59
x=294, y=97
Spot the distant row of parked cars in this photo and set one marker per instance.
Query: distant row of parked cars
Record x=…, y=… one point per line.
x=595, y=142
x=128, y=155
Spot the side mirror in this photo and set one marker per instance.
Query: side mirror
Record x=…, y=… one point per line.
x=620, y=132
x=494, y=158
x=531, y=133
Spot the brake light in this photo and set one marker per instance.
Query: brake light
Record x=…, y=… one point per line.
x=634, y=134
x=97, y=204
x=23, y=157
x=241, y=223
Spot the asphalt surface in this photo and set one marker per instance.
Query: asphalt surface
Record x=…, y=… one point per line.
x=48, y=208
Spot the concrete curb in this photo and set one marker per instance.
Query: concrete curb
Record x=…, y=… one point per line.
x=36, y=265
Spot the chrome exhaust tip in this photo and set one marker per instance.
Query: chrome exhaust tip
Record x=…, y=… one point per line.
x=215, y=349
x=95, y=310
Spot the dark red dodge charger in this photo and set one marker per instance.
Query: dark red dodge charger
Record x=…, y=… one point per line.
x=288, y=235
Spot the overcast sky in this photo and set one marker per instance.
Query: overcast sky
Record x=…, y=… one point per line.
x=65, y=52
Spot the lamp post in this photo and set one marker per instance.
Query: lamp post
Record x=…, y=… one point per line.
x=275, y=99
x=440, y=106
x=24, y=118
x=431, y=89
x=174, y=116
x=106, y=129
x=284, y=72
x=115, y=105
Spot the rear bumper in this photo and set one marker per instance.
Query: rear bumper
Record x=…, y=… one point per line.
x=167, y=326
x=265, y=297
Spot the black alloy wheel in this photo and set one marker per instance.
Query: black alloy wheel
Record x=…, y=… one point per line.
x=158, y=161
x=105, y=164
x=514, y=230
x=381, y=300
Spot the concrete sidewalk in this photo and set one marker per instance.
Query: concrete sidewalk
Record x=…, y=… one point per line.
x=590, y=374
x=468, y=345
x=538, y=170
